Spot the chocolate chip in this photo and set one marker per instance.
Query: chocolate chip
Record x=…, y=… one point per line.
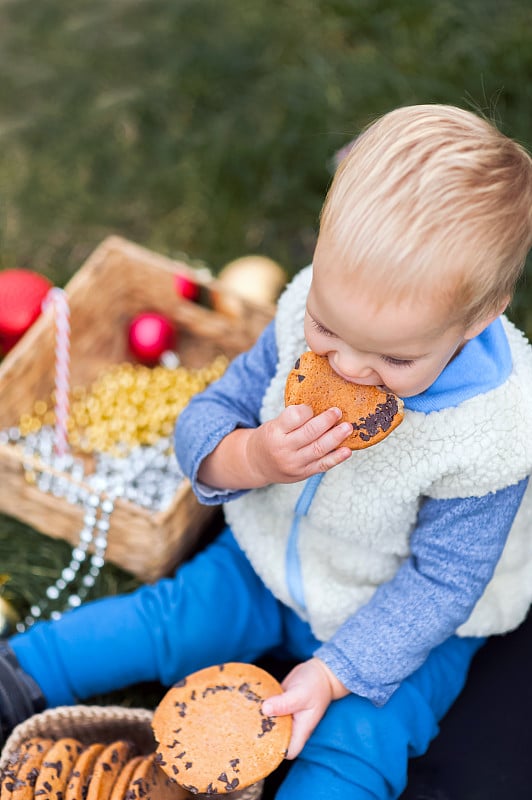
x=297, y=364
x=174, y=743
x=267, y=724
x=380, y=420
x=248, y=693
x=182, y=682
x=32, y=776
x=220, y=687
x=182, y=709
x=57, y=765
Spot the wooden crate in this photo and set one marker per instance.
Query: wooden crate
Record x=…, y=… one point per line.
x=119, y=280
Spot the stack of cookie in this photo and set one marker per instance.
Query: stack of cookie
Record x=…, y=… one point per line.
x=65, y=769
x=208, y=736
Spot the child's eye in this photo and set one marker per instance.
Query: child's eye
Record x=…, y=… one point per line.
x=398, y=362
x=321, y=329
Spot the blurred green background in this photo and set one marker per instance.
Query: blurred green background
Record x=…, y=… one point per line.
x=206, y=129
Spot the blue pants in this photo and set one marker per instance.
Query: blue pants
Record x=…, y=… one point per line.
x=217, y=609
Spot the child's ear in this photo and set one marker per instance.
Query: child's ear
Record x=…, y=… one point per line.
x=482, y=324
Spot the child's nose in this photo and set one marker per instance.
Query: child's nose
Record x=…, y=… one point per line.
x=353, y=366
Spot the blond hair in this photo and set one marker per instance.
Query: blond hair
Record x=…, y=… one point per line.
x=433, y=198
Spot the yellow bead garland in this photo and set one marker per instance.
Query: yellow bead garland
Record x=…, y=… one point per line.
x=128, y=405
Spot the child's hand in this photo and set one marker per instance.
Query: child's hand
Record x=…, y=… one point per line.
x=308, y=690
x=296, y=444
x=289, y=448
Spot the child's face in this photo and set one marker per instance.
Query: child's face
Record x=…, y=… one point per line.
x=403, y=347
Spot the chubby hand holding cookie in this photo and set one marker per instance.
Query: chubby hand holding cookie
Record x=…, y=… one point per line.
x=325, y=419
x=308, y=690
x=297, y=444
x=289, y=448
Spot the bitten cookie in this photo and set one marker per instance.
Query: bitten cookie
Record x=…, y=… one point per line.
x=372, y=412
x=213, y=737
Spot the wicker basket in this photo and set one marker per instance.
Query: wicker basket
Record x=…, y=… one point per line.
x=98, y=724
x=119, y=280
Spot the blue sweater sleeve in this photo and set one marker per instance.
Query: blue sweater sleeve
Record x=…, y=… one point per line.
x=233, y=401
x=454, y=551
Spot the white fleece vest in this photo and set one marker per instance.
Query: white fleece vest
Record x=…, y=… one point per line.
x=357, y=531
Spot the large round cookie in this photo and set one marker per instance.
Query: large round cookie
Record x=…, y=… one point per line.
x=372, y=412
x=213, y=737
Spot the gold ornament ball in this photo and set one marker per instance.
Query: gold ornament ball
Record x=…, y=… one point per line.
x=8, y=618
x=257, y=279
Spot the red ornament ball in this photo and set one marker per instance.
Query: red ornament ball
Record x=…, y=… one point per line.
x=21, y=295
x=186, y=287
x=150, y=334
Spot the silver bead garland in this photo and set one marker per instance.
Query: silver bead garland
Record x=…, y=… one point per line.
x=147, y=475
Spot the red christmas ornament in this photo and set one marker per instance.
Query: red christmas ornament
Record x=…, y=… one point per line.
x=185, y=287
x=150, y=334
x=21, y=294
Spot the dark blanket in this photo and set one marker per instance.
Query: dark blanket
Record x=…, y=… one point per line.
x=483, y=750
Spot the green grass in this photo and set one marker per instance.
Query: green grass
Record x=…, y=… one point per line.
x=206, y=128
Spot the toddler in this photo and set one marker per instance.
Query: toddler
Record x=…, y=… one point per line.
x=382, y=571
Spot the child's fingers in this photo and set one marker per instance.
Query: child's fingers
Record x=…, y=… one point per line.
x=325, y=452
x=301, y=730
x=304, y=427
x=304, y=719
x=280, y=704
x=294, y=417
x=330, y=440
x=330, y=460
